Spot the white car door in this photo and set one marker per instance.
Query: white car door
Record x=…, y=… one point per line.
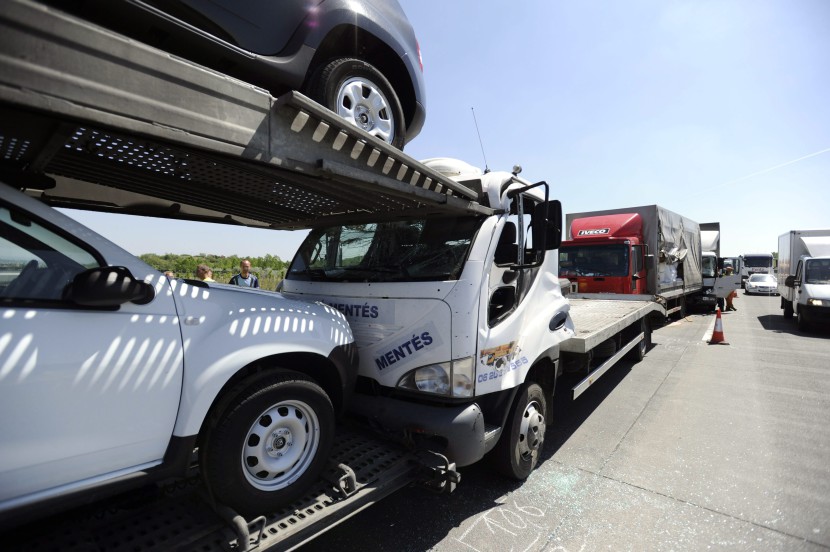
x=86, y=394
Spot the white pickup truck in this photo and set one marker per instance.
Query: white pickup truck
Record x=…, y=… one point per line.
x=109, y=370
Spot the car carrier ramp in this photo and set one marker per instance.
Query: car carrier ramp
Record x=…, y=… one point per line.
x=180, y=517
x=117, y=126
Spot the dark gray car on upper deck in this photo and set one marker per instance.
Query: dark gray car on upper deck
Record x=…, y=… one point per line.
x=359, y=58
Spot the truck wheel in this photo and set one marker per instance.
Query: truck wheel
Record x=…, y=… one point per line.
x=359, y=93
x=518, y=450
x=638, y=353
x=803, y=325
x=788, y=309
x=268, y=442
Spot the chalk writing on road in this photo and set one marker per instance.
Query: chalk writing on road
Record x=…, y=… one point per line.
x=519, y=525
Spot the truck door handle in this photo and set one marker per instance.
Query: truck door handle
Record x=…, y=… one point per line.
x=558, y=321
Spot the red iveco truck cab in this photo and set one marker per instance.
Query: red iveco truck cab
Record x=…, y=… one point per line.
x=606, y=254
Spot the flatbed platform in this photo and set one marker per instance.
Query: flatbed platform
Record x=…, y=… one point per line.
x=597, y=318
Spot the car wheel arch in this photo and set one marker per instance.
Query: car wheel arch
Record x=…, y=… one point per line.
x=313, y=365
x=372, y=50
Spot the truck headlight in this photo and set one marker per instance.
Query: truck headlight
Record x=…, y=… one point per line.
x=450, y=379
x=818, y=302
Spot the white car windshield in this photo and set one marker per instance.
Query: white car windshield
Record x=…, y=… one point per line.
x=762, y=278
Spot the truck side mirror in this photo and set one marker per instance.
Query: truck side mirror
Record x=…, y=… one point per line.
x=547, y=224
x=789, y=281
x=108, y=287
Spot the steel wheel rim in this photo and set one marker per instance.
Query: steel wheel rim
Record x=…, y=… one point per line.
x=280, y=445
x=531, y=430
x=363, y=104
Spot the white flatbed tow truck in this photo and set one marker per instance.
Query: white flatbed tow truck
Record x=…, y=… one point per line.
x=92, y=120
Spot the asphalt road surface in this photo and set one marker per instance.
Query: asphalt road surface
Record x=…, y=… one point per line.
x=698, y=447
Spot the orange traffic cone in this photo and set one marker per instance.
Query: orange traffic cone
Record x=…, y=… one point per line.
x=717, y=333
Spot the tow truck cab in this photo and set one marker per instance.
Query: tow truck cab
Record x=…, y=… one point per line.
x=458, y=319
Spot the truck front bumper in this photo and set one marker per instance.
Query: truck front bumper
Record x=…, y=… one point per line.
x=459, y=429
x=703, y=299
x=816, y=314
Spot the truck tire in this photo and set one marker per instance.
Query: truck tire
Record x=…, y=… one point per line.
x=788, y=309
x=268, y=442
x=359, y=93
x=517, y=451
x=803, y=325
x=638, y=353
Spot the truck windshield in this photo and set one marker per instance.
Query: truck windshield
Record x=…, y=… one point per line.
x=758, y=261
x=593, y=260
x=709, y=267
x=413, y=250
x=817, y=271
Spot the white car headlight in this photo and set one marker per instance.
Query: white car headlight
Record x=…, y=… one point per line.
x=450, y=379
x=818, y=302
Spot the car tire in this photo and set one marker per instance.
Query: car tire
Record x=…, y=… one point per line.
x=520, y=445
x=358, y=92
x=268, y=441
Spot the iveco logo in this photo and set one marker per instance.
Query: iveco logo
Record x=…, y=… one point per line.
x=594, y=232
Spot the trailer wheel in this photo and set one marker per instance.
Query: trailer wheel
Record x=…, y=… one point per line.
x=268, y=443
x=638, y=353
x=517, y=452
x=359, y=93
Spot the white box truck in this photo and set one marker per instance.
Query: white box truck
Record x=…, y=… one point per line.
x=710, y=239
x=755, y=263
x=804, y=276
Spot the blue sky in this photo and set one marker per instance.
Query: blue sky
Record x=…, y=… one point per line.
x=718, y=110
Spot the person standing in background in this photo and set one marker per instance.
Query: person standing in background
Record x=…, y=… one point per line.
x=732, y=294
x=204, y=273
x=245, y=278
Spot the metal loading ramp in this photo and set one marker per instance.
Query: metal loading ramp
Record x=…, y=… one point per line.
x=118, y=126
x=179, y=516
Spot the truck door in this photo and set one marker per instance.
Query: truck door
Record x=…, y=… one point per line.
x=522, y=299
x=799, y=277
x=84, y=392
x=639, y=281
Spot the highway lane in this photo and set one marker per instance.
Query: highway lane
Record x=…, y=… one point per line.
x=698, y=447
